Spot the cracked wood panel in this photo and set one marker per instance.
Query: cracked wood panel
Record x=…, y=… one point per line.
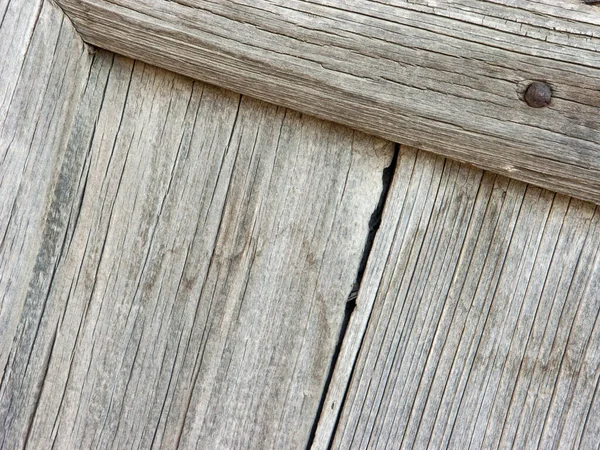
x=482, y=296
x=441, y=75
x=194, y=255
x=42, y=73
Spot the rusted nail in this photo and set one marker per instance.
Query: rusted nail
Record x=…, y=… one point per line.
x=538, y=94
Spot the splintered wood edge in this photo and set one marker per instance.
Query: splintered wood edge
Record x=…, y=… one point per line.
x=448, y=77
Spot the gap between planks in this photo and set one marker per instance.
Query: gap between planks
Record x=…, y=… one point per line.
x=477, y=322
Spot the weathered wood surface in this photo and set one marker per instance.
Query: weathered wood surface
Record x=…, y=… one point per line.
x=442, y=75
x=483, y=296
x=43, y=69
x=176, y=259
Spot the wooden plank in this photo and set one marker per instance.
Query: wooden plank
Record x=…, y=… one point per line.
x=210, y=244
x=482, y=296
x=447, y=76
x=43, y=69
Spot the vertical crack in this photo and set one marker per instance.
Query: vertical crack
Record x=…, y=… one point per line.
x=374, y=224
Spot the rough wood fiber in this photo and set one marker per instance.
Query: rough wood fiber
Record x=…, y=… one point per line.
x=483, y=295
x=210, y=244
x=446, y=76
x=43, y=66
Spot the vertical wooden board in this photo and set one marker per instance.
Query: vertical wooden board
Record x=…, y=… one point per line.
x=42, y=74
x=203, y=280
x=483, y=296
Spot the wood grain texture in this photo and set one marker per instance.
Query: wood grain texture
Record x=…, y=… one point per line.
x=43, y=70
x=209, y=245
x=482, y=296
x=441, y=75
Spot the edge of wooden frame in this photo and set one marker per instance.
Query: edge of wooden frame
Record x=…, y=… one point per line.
x=441, y=75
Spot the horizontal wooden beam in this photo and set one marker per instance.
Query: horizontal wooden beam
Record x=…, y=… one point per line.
x=441, y=75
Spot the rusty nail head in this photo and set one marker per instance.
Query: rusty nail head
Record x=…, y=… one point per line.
x=538, y=94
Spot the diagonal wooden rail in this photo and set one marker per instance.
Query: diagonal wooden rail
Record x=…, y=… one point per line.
x=442, y=75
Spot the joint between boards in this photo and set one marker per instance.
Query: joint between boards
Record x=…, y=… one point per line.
x=375, y=221
x=87, y=47
x=351, y=302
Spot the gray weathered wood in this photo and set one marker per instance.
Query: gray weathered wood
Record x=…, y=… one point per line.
x=196, y=253
x=42, y=73
x=442, y=75
x=175, y=261
x=482, y=296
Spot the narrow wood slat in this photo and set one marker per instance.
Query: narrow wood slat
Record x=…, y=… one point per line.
x=442, y=75
x=185, y=278
x=482, y=296
x=43, y=67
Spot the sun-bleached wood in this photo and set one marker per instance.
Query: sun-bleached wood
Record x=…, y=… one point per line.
x=191, y=252
x=442, y=75
x=43, y=67
x=175, y=262
x=482, y=296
